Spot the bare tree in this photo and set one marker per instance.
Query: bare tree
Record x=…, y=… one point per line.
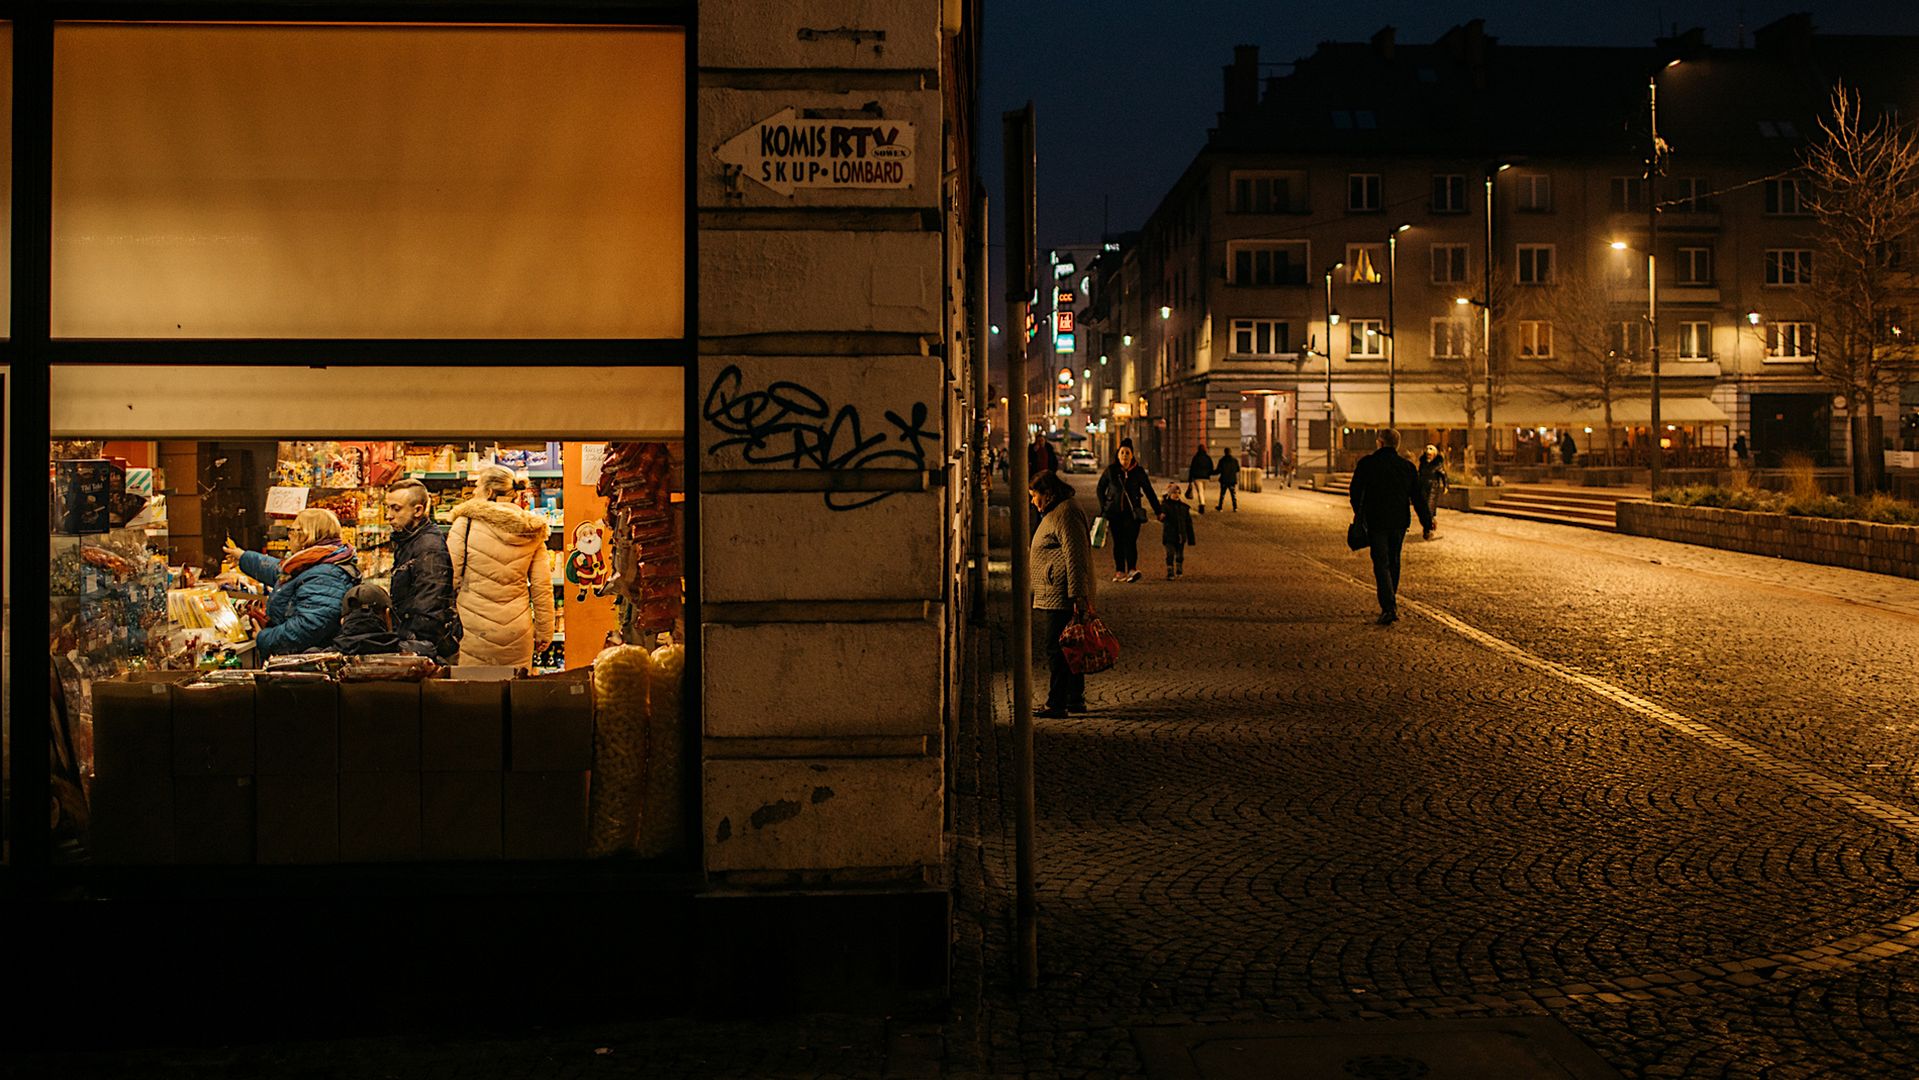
x=1864, y=195
x=1593, y=359
x=1462, y=378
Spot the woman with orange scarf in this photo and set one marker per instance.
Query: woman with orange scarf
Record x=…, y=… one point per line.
x=303, y=614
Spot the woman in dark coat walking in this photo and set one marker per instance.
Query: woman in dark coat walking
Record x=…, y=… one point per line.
x=1197, y=473
x=1120, y=489
x=1432, y=477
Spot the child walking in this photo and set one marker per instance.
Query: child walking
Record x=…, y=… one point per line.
x=1176, y=530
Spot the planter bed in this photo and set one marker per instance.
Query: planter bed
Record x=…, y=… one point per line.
x=1860, y=545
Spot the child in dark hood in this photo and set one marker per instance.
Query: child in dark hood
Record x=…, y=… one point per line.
x=366, y=625
x=1177, y=530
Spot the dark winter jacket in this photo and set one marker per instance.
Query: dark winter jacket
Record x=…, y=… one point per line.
x=302, y=614
x=1384, y=485
x=1201, y=468
x=1228, y=470
x=1177, y=528
x=364, y=633
x=1432, y=477
x=422, y=591
x=1119, y=492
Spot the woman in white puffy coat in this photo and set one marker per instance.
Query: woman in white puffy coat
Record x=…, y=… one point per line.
x=501, y=580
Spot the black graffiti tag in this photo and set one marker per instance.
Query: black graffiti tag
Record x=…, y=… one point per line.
x=789, y=424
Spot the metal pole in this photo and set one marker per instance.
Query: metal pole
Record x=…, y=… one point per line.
x=1486, y=317
x=1331, y=461
x=1652, y=279
x=982, y=408
x=1021, y=245
x=1392, y=339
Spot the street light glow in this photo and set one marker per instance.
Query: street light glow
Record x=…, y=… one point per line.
x=995, y=328
x=1752, y=318
x=1618, y=245
x=1461, y=301
x=1126, y=339
x=1670, y=64
x=1165, y=312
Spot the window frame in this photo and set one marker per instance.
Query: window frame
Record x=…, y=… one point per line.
x=1695, y=333
x=1235, y=248
x=1778, y=268
x=1457, y=336
x=1376, y=259
x=1521, y=264
x=1275, y=328
x=1626, y=194
x=1804, y=334
x=1357, y=184
x=1355, y=332
x=1537, y=330
x=1685, y=265
x=1535, y=194
x=1775, y=204
x=1442, y=185
x=1294, y=180
x=1464, y=253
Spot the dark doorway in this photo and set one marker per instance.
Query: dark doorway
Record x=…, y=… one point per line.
x=1785, y=424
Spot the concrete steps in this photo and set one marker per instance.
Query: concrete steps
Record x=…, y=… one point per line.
x=1586, y=508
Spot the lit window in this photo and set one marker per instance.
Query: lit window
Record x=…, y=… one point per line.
x=1365, y=263
x=1535, y=264
x=1535, y=339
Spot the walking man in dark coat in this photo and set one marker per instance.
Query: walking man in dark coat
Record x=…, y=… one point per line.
x=1228, y=472
x=1384, y=485
x=422, y=572
x=1197, y=473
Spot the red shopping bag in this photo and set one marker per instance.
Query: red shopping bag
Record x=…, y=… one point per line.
x=1090, y=648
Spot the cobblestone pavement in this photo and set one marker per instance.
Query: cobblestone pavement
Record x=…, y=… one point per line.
x=1662, y=795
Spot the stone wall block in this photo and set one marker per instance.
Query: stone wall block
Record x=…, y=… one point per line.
x=825, y=813
x=800, y=414
x=858, y=35
x=772, y=282
x=795, y=546
x=800, y=680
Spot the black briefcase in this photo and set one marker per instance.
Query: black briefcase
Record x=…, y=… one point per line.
x=1356, y=536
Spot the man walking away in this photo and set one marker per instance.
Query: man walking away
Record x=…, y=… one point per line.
x=422, y=572
x=1200, y=471
x=1228, y=479
x=1384, y=485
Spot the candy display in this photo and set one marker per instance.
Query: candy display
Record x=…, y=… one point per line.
x=622, y=683
x=663, y=821
x=636, y=479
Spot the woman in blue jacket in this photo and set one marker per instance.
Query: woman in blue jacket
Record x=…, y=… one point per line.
x=303, y=614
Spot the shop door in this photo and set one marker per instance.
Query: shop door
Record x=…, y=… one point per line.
x=1790, y=424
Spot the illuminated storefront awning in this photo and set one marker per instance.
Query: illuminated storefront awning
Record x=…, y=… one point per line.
x=1517, y=408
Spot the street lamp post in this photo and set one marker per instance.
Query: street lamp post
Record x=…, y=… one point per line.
x=1392, y=337
x=1332, y=320
x=1654, y=152
x=1486, y=318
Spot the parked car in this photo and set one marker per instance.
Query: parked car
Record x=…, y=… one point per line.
x=1081, y=460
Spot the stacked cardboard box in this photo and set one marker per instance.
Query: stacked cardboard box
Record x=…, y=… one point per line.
x=548, y=762
x=462, y=737
x=297, y=760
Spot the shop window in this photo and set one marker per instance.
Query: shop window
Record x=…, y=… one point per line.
x=1366, y=339
x=1535, y=339
x=1788, y=266
x=1452, y=339
x=1449, y=264
x=304, y=181
x=234, y=576
x=1449, y=193
x=1275, y=262
x=1535, y=264
x=1365, y=264
x=1789, y=341
x=1262, y=337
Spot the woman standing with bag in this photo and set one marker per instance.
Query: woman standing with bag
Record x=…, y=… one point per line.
x=502, y=585
x=1062, y=584
x=1120, y=489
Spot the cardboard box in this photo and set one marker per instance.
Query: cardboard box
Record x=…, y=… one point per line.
x=213, y=819
x=545, y=815
x=462, y=726
x=379, y=816
x=379, y=728
x=132, y=729
x=299, y=818
x=131, y=817
x=482, y=673
x=296, y=727
x=213, y=730
x=460, y=815
x=551, y=725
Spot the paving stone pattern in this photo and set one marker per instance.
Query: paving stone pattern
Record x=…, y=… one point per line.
x=1666, y=796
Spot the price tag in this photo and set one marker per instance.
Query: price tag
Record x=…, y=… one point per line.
x=286, y=501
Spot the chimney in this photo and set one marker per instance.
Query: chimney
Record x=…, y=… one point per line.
x=1242, y=81
x=1383, y=42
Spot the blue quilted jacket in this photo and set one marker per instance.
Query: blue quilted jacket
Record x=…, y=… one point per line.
x=302, y=614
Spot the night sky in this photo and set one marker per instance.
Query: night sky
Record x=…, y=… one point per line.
x=1125, y=89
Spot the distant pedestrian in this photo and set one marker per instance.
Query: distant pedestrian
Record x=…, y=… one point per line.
x=1568, y=449
x=1119, y=491
x=1175, y=531
x=1432, y=478
x=1384, y=485
x=1740, y=450
x=1228, y=471
x=1062, y=584
x=1197, y=473
x=1041, y=458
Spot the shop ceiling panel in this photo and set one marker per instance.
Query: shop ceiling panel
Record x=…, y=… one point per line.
x=822, y=813
x=863, y=35
x=235, y=181
x=822, y=680
x=185, y=402
x=815, y=149
x=798, y=546
x=764, y=282
x=784, y=414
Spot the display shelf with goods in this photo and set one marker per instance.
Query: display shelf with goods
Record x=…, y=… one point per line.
x=153, y=625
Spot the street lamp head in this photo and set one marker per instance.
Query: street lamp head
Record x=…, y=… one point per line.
x=1332, y=318
x=995, y=328
x=1126, y=339
x=1165, y=312
x=1462, y=301
x=1618, y=245
x=1504, y=165
x=1404, y=227
x=1752, y=318
x=1670, y=64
